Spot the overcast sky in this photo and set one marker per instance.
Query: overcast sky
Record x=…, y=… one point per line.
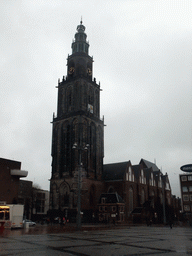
x=142, y=52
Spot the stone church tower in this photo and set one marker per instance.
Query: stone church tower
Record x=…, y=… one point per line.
x=78, y=133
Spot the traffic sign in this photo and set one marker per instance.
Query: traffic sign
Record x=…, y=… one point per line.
x=186, y=168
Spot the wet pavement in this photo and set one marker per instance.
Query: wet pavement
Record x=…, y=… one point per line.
x=104, y=241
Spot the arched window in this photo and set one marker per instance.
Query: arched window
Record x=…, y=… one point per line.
x=69, y=98
x=142, y=177
x=64, y=195
x=54, y=197
x=160, y=182
x=131, y=177
x=100, y=149
x=152, y=198
x=111, y=190
x=90, y=97
x=142, y=196
x=130, y=199
x=97, y=103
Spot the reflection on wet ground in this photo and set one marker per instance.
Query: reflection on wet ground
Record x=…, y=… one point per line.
x=50, y=229
x=38, y=230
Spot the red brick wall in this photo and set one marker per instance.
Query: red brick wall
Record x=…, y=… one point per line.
x=91, y=191
x=8, y=184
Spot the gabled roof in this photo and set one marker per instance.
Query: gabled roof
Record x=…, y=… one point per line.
x=136, y=170
x=148, y=173
x=157, y=174
x=115, y=171
x=147, y=164
x=111, y=198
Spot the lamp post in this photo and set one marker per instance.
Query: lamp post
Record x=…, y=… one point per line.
x=80, y=167
x=164, y=213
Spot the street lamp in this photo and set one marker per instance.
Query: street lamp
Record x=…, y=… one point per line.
x=80, y=166
x=164, y=213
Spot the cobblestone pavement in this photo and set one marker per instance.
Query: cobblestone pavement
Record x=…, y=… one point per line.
x=132, y=241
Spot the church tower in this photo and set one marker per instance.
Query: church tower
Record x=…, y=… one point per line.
x=78, y=131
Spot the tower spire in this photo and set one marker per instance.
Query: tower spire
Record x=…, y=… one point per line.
x=80, y=43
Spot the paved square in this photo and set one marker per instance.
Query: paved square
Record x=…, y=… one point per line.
x=132, y=241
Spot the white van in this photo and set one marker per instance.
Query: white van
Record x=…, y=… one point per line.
x=11, y=215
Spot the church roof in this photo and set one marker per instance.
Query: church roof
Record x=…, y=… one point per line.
x=111, y=198
x=148, y=164
x=115, y=171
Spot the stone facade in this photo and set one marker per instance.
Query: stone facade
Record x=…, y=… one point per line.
x=78, y=131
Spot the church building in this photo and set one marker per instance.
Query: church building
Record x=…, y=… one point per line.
x=108, y=192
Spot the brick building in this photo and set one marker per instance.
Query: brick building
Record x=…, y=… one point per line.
x=10, y=174
x=186, y=192
x=141, y=186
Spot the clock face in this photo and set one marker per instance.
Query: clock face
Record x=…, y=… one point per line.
x=89, y=72
x=71, y=70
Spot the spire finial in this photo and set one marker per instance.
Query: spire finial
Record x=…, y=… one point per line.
x=81, y=20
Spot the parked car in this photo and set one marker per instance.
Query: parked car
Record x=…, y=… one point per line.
x=30, y=222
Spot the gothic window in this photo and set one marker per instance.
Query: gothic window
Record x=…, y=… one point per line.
x=160, y=182
x=80, y=47
x=54, y=149
x=68, y=146
x=90, y=96
x=92, y=143
x=74, y=48
x=64, y=195
x=152, y=198
x=85, y=96
x=97, y=103
x=167, y=187
x=69, y=98
x=54, y=196
x=142, y=196
x=100, y=149
x=142, y=177
x=130, y=174
x=84, y=131
x=151, y=181
x=63, y=139
x=75, y=131
x=111, y=190
x=130, y=199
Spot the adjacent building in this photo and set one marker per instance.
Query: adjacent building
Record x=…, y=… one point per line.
x=186, y=192
x=10, y=174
